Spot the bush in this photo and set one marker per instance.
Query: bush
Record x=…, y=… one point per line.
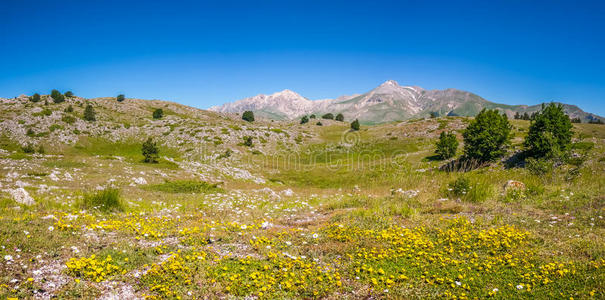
x=57, y=96
x=328, y=116
x=104, y=200
x=447, y=145
x=355, y=125
x=318, y=124
x=120, y=98
x=340, y=117
x=30, y=132
x=312, y=116
x=576, y=120
x=248, y=141
x=68, y=119
x=460, y=186
x=304, y=120
x=248, y=116
x=470, y=191
x=69, y=94
x=539, y=166
x=35, y=98
x=28, y=148
x=150, y=151
x=434, y=114
x=69, y=109
x=158, y=113
x=41, y=149
x=549, y=134
x=89, y=113
x=487, y=136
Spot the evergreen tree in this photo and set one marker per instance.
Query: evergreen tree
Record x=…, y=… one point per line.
x=550, y=133
x=312, y=116
x=304, y=120
x=158, y=113
x=487, y=136
x=69, y=94
x=150, y=151
x=328, y=116
x=355, y=125
x=57, y=96
x=35, y=98
x=340, y=117
x=89, y=113
x=447, y=145
x=120, y=98
x=248, y=116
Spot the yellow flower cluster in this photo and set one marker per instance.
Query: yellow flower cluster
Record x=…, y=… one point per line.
x=92, y=268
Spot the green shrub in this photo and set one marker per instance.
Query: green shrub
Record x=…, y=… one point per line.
x=248, y=116
x=248, y=141
x=355, y=125
x=120, y=97
x=69, y=109
x=312, y=116
x=158, y=113
x=460, y=186
x=54, y=127
x=185, y=186
x=328, y=116
x=576, y=120
x=447, y=145
x=340, y=117
x=470, y=191
x=30, y=132
x=150, y=151
x=318, y=124
x=69, y=94
x=28, y=148
x=57, y=96
x=89, y=113
x=487, y=136
x=105, y=200
x=304, y=120
x=68, y=119
x=549, y=134
x=539, y=166
x=35, y=98
x=41, y=149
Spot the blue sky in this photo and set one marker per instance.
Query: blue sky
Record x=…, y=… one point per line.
x=206, y=53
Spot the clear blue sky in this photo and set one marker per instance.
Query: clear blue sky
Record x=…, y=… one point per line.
x=207, y=53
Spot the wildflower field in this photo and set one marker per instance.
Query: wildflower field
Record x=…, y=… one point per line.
x=394, y=227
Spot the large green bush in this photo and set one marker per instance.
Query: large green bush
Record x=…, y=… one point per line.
x=340, y=117
x=355, y=125
x=304, y=120
x=57, y=96
x=104, y=200
x=150, y=151
x=447, y=145
x=89, y=113
x=487, y=136
x=549, y=134
x=248, y=116
x=328, y=116
x=158, y=113
x=35, y=98
x=120, y=98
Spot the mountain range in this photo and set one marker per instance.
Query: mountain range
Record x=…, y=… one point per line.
x=386, y=103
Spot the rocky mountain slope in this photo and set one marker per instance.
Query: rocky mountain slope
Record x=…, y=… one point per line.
x=388, y=102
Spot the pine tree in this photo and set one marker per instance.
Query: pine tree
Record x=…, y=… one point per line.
x=340, y=117
x=487, y=136
x=120, y=98
x=150, y=151
x=304, y=120
x=447, y=145
x=355, y=125
x=89, y=113
x=550, y=133
x=57, y=96
x=158, y=113
x=248, y=116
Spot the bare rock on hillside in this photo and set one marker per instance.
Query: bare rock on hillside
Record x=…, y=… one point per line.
x=21, y=196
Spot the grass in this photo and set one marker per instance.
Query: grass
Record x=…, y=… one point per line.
x=105, y=200
x=185, y=186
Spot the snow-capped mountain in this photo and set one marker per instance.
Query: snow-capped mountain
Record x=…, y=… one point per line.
x=387, y=102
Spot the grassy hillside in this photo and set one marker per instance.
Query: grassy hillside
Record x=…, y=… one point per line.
x=306, y=212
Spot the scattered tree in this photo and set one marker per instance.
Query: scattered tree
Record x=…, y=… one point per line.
x=447, y=145
x=355, y=125
x=150, y=151
x=69, y=109
x=28, y=148
x=576, y=120
x=595, y=121
x=517, y=116
x=312, y=116
x=158, y=113
x=89, y=113
x=550, y=133
x=248, y=116
x=35, y=98
x=120, y=97
x=487, y=136
x=318, y=123
x=340, y=117
x=328, y=116
x=304, y=120
x=69, y=94
x=57, y=96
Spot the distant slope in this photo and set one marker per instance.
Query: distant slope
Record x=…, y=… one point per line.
x=386, y=103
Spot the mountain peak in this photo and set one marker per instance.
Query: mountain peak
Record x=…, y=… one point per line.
x=288, y=93
x=390, y=83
